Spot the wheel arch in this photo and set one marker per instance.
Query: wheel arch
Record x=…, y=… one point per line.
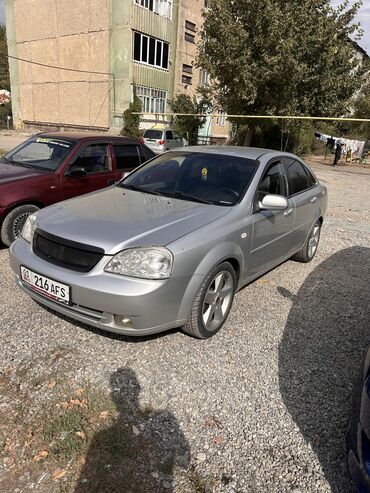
x=13, y=206
x=227, y=252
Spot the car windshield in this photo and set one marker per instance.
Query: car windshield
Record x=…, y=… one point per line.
x=40, y=153
x=153, y=134
x=210, y=178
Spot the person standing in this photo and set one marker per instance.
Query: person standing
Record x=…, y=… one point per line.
x=338, y=152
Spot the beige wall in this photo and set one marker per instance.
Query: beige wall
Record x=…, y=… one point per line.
x=191, y=10
x=66, y=33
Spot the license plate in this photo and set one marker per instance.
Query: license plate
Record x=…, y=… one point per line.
x=53, y=290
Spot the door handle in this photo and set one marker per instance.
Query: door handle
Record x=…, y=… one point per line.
x=288, y=212
x=313, y=199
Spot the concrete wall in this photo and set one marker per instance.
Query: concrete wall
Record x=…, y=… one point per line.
x=64, y=33
x=191, y=10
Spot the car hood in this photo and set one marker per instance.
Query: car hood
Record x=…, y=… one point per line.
x=117, y=218
x=10, y=172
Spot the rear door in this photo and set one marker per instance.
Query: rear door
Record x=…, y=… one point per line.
x=303, y=189
x=177, y=140
x=96, y=160
x=127, y=158
x=272, y=230
x=170, y=141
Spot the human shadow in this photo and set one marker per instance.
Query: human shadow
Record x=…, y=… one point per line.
x=139, y=452
x=321, y=352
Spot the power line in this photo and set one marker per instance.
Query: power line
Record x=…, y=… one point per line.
x=60, y=68
x=264, y=117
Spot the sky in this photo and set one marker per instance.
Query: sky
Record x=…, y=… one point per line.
x=363, y=17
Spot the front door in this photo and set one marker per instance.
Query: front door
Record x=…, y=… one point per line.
x=96, y=161
x=272, y=230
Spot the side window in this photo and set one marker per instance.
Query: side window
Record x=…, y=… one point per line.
x=311, y=179
x=169, y=135
x=273, y=182
x=127, y=156
x=94, y=158
x=176, y=135
x=298, y=179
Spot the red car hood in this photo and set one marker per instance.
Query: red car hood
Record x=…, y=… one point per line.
x=10, y=172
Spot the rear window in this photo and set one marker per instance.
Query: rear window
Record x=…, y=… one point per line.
x=153, y=134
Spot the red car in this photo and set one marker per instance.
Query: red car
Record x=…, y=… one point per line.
x=51, y=167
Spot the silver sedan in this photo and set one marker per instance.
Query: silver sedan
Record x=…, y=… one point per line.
x=169, y=245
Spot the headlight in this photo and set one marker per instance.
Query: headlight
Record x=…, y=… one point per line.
x=143, y=262
x=29, y=228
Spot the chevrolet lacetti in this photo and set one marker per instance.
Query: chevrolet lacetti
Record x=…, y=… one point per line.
x=169, y=245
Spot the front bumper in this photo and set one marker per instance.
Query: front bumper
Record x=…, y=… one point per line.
x=100, y=299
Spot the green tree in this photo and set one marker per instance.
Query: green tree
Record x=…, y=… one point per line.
x=4, y=65
x=131, y=120
x=361, y=109
x=188, y=126
x=280, y=57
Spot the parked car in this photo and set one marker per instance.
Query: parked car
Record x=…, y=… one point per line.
x=170, y=244
x=358, y=438
x=51, y=167
x=160, y=140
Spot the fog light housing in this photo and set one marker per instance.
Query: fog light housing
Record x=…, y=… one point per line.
x=123, y=321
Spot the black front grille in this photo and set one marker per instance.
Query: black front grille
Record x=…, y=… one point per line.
x=65, y=253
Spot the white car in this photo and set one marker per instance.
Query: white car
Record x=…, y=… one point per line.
x=160, y=140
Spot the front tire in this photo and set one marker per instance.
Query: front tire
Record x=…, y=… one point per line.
x=310, y=247
x=212, y=303
x=14, y=221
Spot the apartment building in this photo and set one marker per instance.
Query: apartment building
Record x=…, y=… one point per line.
x=74, y=64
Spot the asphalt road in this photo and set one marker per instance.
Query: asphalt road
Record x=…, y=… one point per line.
x=261, y=407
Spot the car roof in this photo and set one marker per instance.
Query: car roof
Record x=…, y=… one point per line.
x=238, y=151
x=162, y=129
x=86, y=136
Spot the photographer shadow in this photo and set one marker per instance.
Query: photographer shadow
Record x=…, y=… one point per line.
x=321, y=353
x=139, y=452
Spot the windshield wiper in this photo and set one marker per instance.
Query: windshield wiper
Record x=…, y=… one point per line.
x=20, y=163
x=138, y=189
x=182, y=195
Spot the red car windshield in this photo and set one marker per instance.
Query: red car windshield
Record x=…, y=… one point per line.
x=40, y=153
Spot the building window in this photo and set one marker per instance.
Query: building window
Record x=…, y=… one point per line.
x=221, y=118
x=150, y=50
x=190, y=26
x=190, y=38
x=203, y=77
x=187, y=68
x=186, y=80
x=160, y=7
x=152, y=100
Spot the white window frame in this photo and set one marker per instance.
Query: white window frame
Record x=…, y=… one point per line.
x=221, y=118
x=203, y=77
x=160, y=7
x=145, y=59
x=153, y=100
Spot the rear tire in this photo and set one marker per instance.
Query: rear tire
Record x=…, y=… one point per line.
x=212, y=303
x=310, y=247
x=14, y=221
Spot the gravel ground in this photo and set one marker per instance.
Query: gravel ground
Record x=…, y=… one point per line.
x=261, y=407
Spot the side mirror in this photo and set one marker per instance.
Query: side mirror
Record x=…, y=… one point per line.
x=273, y=203
x=76, y=172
